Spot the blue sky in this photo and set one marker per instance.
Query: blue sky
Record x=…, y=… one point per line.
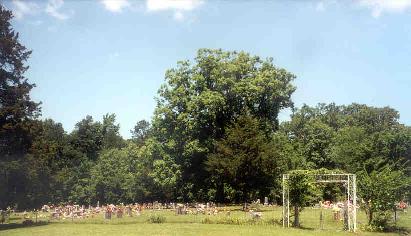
x=95, y=57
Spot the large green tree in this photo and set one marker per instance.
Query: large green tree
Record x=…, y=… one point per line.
x=380, y=190
x=17, y=112
x=87, y=137
x=201, y=98
x=110, y=132
x=140, y=132
x=247, y=162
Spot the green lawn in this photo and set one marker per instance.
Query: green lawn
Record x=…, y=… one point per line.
x=190, y=225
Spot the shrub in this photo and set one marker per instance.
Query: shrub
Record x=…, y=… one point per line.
x=231, y=221
x=28, y=222
x=381, y=221
x=156, y=219
x=207, y=221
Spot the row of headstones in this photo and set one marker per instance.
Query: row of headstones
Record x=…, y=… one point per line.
x=119, y=214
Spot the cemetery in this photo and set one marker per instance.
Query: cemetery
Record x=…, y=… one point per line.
x=264, y=218
x=205, y=118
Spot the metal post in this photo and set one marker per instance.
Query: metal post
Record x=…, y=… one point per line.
x=286, y=202
x=348, y=203
x=354, y=202
x=283, y=200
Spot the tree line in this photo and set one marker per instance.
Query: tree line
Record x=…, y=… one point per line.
x=214, y=136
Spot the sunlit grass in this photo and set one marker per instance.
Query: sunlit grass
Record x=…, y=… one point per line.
x=190, y=224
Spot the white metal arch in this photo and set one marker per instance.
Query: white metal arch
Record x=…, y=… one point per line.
x=351, y=193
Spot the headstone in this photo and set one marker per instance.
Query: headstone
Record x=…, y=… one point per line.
x=119, y=213
x=180, y=209
x=266, y=201
x=107, y=214
x=3, y=216
x=245, y=207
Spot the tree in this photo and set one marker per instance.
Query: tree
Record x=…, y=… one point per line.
x=87, y=137
x=44, y=160
x=141, y=131
x=199, y=100
x=380, y=191
x=110, y=132
x=316, y=143
x=351, y=149
x=302, y=191
x=245, y=161
x=17, y=111
x=110, y=175
x=312, y=130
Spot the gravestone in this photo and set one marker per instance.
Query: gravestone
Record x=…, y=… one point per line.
x=180, y=209
x=107, y=214
x=120, y=213
x=129, y=211
x=3, y=216
x=266, y=201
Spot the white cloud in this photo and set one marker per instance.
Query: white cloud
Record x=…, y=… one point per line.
x=379, y=6
x=36, y=22
x=115, y=5
x=178, y=6
x=179, y=16
x=320, y=6
x=21, y=9
x=113, y=55
x=181, y=5
x=53, y=9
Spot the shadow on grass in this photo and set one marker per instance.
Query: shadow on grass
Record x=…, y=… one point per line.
x=399, y=230
x=21, y=225
x=304, y=228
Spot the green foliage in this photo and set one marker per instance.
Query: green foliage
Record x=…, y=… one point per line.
x=381, y=190
x=230, y=221
x=17, y=114
x=87, y=137
x=303, y=189
x=200, y=100
x=141, y=131
x=214, y=135
x=157, y=219
x=110, y=132
x=245, y=162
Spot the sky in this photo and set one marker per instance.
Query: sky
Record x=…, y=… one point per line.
x=110, y=56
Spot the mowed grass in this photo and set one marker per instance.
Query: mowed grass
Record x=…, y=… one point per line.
x=236, y=223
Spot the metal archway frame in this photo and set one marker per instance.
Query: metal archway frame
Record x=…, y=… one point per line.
x=351, y=193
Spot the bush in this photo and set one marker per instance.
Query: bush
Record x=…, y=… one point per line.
x=231, y=221
x=28, y=222
x=156, y=219
x=256, y=206
x=381, y=221
x=207, y=221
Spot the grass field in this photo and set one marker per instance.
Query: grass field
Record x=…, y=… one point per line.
x=238, y=223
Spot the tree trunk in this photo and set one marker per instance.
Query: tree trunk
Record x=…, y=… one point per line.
x=220, y=193
x=370, y=215
x=395, y=215
x=296, y=217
